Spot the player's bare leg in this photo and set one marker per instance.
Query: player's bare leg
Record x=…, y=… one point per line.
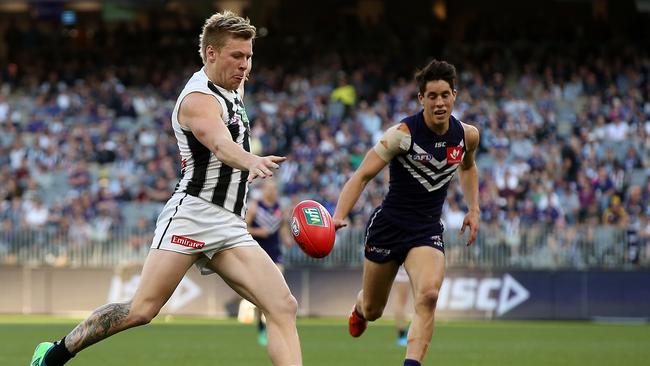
x=250, y=272
x=371, y=300
x=260, y=319
x=162, y=272
x=426, y=269
x=377, y=282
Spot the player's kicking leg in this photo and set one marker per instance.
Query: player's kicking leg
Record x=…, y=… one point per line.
x=371, y=300
x=426, y=268
x=250, y=272
x=162, y=272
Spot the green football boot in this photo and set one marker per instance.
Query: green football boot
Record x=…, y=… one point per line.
x=262, y=338
x=39, y=354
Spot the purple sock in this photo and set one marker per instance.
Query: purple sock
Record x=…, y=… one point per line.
x=409, y=362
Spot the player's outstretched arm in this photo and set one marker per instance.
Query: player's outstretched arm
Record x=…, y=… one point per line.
x=396, y=140
x=371, y=165
x=201, y=113
x=469, y=183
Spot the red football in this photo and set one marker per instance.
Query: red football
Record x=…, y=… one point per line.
x=312, y=228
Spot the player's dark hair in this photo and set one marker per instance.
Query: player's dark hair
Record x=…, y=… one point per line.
x=436, y=70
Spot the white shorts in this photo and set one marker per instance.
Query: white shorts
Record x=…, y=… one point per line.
x=191, y=225
x=402, y=276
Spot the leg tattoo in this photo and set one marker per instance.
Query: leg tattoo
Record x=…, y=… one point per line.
x=102, y=323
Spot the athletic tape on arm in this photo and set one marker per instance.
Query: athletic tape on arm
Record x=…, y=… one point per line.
x=396, y=140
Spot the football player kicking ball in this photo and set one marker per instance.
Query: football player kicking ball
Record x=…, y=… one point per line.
x=423, y=151
x=203, y=223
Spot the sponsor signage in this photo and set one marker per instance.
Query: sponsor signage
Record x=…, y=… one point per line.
x=313, y=216
x=496, y=295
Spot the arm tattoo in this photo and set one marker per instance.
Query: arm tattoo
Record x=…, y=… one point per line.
x=102, y=323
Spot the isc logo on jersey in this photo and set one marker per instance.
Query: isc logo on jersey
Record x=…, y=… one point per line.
x=491, y=294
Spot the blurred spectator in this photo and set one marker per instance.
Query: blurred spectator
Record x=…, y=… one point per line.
x=36, y=214
x=370, y=120
x=7, y=240
x=452, y=216
x=100, y=226
x=617, y=130
x=160, y=191
x=79, y=233
x=615, y=214
x=644, y=239
x=79, y=176
x=345, y=94
x=4, y=110
x=512, y=232
x=634, y=205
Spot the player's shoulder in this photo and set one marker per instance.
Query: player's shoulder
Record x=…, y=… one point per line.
x=197, y=81
x=396, y=140
x=399, y=135
x=471, y=132
x=469, y=129
x=198, y=101
x=401, y=127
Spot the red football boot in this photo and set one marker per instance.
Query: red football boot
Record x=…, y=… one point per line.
x=357, y=324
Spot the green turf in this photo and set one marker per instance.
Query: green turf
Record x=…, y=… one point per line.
x=191, y=341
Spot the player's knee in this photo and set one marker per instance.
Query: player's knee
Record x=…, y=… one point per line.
x=290, y=305
x=143, y=315
x=141, y=318
x=428, y=297
x=285, y=306
x=372, y=312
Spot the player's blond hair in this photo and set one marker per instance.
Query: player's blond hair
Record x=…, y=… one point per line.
x=219, y=26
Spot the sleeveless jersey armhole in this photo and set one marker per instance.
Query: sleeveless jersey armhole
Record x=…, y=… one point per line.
x=180, y=104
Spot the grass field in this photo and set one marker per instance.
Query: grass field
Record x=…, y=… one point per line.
x=192, y=341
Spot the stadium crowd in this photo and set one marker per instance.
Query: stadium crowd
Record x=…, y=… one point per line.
x=565, y=137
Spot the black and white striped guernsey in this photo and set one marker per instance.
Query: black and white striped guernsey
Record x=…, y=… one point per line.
x=203, y=175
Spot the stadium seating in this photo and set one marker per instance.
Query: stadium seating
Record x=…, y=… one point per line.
x=533, y=120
